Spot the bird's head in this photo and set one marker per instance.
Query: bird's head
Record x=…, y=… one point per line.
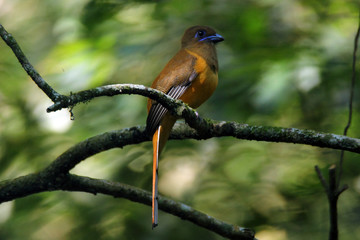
x=200, y=34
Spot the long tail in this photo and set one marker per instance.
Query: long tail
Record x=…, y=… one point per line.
x=160, y=137
x=156, y=145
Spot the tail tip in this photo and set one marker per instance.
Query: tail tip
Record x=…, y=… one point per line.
x=154, y=225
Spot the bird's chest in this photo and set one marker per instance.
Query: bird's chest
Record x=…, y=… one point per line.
x=203, y=86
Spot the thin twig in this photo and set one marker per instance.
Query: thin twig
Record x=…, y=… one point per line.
x=333, y=198
x=332, y=194
x=333, y=189
x=351, y=97
x=35, y=76
x=322, y=179
x=353, y=79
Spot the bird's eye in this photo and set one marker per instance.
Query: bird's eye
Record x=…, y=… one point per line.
x=200, y=33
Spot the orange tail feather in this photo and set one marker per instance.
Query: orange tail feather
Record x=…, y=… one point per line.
x=160, y=137
x=156, y=141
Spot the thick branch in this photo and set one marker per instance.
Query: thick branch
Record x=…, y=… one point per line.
x=178, y=209
x=91, y=146
x=176, y=107
x=208, y=128
x=118, y=139
x=41, y=182
x=70, y=158
x=110, y=90
x=286, y=135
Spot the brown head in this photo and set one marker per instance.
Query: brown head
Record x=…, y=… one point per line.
x=200, y=35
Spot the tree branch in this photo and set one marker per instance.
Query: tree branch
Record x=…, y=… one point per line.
x=41, y=182
x=120, y=138
x=175, y=208
x=35, y=76
x=209, y=128
x=332, y=193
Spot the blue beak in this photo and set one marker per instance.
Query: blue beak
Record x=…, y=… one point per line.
x=213, y=38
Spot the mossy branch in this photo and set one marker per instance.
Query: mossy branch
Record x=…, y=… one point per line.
x=207, y=128
x=41, y=182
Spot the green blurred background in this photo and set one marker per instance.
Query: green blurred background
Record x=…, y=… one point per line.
x=283, y=63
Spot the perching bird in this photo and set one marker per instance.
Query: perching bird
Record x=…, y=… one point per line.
x=191, y=76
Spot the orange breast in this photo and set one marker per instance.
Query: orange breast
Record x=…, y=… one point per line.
x=203, y=86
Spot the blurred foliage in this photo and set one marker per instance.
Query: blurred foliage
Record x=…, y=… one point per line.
x=283, y=63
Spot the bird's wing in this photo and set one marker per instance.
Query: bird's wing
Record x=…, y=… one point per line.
x=175, y=78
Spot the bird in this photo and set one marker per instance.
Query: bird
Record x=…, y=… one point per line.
x=191, y=76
